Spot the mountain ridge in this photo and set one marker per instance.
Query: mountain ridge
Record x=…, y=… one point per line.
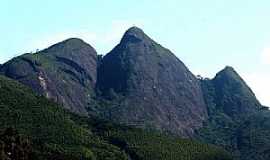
x=142, y=84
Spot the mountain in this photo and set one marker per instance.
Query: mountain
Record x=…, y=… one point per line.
x=64, y=72
x=33, y=127
x=234, y=95
x=139, y=84
x=151, y=86
x=231, y=107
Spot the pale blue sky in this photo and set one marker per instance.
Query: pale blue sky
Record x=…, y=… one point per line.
x=206, y=35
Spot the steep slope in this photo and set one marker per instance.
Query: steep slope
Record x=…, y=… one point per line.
x=233, y=94
x=150, y=86
x=230, y=103
x=65, y=72
x=58, y=134
x=49, y=126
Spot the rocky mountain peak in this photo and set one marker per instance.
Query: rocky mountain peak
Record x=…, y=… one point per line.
x=230, y=76
x=228, y=71
x=134, y=35
x=134, y=31
x=144, y=71
x=234, y=94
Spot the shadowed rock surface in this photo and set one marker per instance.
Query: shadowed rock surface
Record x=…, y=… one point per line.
x=233, y=94
x=152, y=87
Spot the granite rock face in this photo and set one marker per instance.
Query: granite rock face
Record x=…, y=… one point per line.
x=155, y=88
x=65, y=72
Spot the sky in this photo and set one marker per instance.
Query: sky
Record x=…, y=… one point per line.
x=206, y=35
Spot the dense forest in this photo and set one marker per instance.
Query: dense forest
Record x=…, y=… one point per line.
x=33, y=127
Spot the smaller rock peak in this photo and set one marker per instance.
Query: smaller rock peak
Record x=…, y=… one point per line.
x=229, y=72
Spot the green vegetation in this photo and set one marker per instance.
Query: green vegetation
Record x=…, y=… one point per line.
x=254, y=136
x=57, y=134
x=48, y=126
x=145, y=145
x=15, y=147
x=220, y=128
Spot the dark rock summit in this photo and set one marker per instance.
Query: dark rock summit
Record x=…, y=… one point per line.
x=64, y=72
x=234, y=94
x=231, y=104
x=153, y=87
x=134, y=34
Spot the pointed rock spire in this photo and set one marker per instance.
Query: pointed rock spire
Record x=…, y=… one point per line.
x=133, y=35
x=229, y=75
x=144, y=71
x=234, y=94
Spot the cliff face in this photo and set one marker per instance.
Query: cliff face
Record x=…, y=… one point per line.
x=234, y=94
x=155, y=88
x=64, y=72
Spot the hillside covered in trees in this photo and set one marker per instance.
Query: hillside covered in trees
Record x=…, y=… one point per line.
x=36, y=128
